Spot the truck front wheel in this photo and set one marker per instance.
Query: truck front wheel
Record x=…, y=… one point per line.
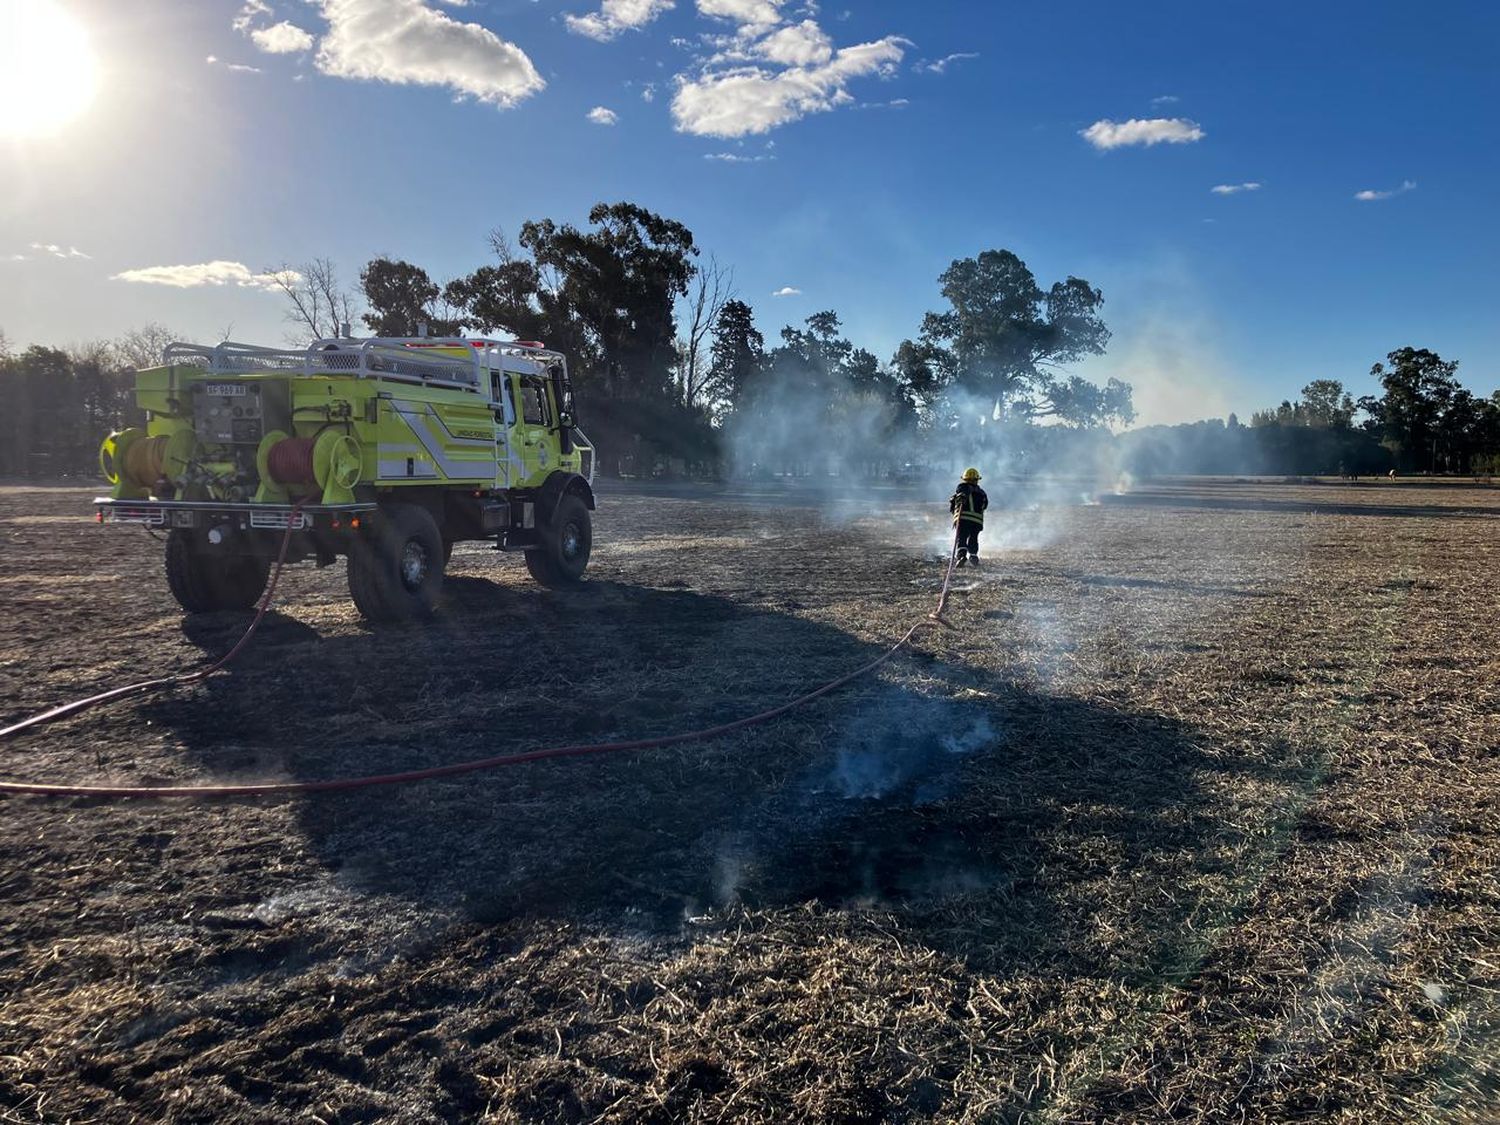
x=396, y=569
x=567, y=540
x=204, y=580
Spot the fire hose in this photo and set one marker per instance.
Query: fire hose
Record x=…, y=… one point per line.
x=405, y=777
x=91, y=701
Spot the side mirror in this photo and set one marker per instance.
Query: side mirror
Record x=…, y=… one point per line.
x=565, y=420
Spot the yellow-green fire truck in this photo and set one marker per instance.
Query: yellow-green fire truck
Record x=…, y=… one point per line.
x=385, y=451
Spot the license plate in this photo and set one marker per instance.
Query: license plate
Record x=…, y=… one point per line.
x=225, y=389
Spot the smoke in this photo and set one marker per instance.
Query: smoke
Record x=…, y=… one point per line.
x=855, y=454
x=1176, y=371
x=900, y=751
x=805, y=428
x=1168, y=343
x=913, y=748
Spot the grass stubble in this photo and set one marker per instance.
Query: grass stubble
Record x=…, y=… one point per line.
x=1222, y=849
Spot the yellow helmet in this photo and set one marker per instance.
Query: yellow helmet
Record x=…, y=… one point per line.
x=971, y=476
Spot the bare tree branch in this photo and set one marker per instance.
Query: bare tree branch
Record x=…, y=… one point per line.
x=143, y=346
x=318, y=305
x=712, y=288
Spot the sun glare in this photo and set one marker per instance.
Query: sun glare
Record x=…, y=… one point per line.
x=48, y=74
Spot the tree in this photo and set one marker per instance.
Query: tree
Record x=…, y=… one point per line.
x=402, y=300
x=318, y=307
x=622, y=280
x=923, y=371
x=1419, y=388
x=143, y=346
x=738, y=353
x=1325, y=403
x=517, y=298
x=711, y=290
x=38, y=405
x=605, y=297
x=1004, y=339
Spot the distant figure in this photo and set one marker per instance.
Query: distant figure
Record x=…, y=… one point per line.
x=1392, y=474
x=967, y=505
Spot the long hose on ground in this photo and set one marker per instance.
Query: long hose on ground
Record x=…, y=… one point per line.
x=406, y=777
x=91, y=701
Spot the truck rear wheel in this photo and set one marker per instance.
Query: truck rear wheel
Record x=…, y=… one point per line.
x=396, y=570
x=567, y=540
x=204, y=580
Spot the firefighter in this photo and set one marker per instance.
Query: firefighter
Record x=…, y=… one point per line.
x=967, y=505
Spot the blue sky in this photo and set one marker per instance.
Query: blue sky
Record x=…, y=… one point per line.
x=862, y=164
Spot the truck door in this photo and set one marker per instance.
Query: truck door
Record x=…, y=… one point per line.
x=534, y=428
x=503, y=407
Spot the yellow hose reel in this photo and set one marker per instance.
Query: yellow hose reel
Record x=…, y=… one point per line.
x=136, y=462
x=336, y=465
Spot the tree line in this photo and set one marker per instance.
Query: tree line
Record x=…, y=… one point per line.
x=672, y=371
x=1422, y=421
x=673, y=374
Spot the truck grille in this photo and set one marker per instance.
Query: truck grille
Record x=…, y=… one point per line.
x=155, y=517
x=278, y=520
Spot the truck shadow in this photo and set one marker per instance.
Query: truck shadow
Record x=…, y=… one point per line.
x=928, y=788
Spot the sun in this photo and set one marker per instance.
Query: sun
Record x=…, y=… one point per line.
x=48, y=73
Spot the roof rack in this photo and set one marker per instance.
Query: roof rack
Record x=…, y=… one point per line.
x=407, y=358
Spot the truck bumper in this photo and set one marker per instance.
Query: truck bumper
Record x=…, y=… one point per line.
x=204, y=513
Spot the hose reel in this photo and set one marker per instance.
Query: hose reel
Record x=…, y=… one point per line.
x=139, y=464
x=328, y=465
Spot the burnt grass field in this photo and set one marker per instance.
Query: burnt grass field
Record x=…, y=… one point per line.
x=1193, y=816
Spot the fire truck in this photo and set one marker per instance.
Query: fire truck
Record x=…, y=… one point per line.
x=385, y=452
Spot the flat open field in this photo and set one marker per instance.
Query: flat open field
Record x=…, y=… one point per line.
x=1194, y=816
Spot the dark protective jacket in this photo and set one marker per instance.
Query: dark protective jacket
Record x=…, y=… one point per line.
x=968, y=504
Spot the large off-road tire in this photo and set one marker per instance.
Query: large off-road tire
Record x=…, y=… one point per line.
x=396, y=569
x=204, y=580
x=567, y=539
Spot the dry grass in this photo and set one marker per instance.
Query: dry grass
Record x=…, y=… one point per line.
x=1194, y=818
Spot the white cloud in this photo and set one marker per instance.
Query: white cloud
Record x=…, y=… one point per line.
x=648, y=92
x=53, y=250
x=284, y=38
x=1107, y=134
x=404, y=41
x=203, y=274
x=737, y=158
x=1235, y=189
x=800, y=44
x=250, y=12
x=1368, y=195
x=762, y=12
x=599, y=115
x=1166, y=99
x=938, y=66
x=740, y=101
x=787, y=291
x=238, y=68
x=615, y=16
